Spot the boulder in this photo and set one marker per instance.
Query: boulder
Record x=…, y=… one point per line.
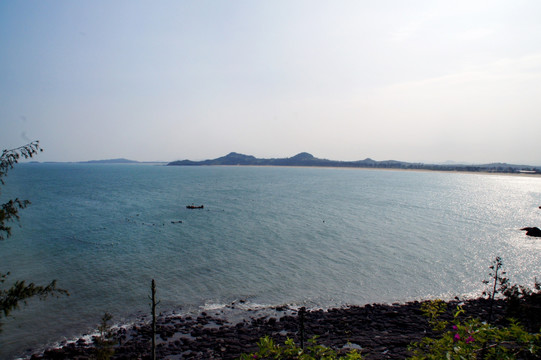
x=532, y=231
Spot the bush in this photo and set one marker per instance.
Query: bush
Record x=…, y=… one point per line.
x=268, y=349
x=472, y=339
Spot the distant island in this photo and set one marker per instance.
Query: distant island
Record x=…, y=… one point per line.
x=306, y=159
x=110, y=161
x=106, y=161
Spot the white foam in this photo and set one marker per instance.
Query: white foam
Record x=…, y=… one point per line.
x=213, y=306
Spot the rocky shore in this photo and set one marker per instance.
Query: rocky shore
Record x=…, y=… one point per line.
x=381, y=332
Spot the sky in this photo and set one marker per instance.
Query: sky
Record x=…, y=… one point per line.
x=419, y=81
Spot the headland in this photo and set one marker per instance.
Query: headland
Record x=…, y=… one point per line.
x=307, y=160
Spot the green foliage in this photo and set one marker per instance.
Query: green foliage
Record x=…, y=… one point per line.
x=9, y=210
x=524, y=303
x=472, y=339
x=432, y=310
x=19, y=292
x=268, y=349
x=106, y=340
x=12, y=156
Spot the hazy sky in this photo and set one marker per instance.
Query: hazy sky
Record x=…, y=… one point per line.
x=422, y=81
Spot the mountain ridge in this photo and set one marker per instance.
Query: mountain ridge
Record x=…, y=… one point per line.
x=308, y=160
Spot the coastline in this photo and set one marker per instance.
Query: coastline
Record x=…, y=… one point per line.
x=450, y=171
x=534, y=175
x=305, y=159
x=380, y=331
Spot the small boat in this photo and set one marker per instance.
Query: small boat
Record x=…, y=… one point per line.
x=194, y=206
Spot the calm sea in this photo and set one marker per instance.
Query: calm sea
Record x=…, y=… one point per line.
x=300, y=236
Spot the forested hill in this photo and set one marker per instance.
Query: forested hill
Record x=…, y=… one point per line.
x=306, y=159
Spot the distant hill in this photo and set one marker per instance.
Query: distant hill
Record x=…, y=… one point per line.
x=110, y=161
x=306, y=159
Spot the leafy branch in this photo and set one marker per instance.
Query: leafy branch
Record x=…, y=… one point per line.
x=9, y=210
x=20, y=292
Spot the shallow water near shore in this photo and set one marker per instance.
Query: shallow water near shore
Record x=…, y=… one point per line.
x=269, y=236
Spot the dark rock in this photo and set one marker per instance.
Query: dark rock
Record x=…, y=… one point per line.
x=382, y=331
x=532, y=231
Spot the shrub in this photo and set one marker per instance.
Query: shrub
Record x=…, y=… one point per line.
x=472, y=339
x=268, y=349
x=106, y=339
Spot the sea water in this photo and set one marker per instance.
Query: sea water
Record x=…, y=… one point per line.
x=316, y=237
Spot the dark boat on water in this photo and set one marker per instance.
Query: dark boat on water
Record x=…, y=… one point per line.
x=194, y=206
